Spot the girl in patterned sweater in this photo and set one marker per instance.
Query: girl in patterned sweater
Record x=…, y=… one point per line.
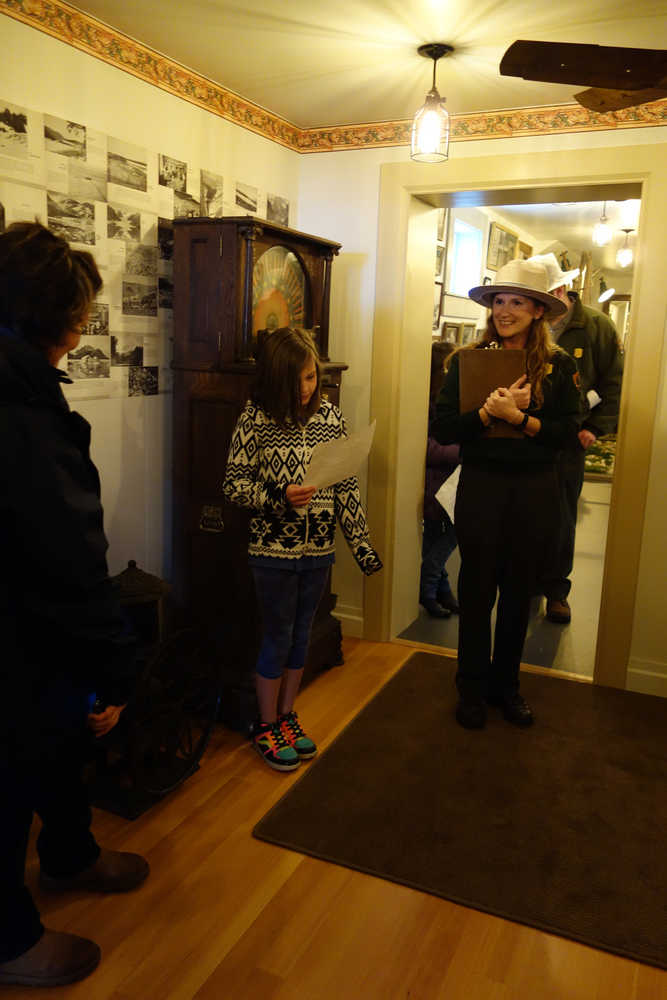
x=291, y=544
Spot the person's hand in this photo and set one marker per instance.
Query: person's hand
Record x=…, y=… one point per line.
x=500, y=404
x=299, y=496
x=521, y=392
x=103, y=722
x=586, y=439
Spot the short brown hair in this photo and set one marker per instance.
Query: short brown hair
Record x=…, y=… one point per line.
x=46, y=287
x=277, y=386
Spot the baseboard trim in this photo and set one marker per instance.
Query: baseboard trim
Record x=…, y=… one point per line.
x=648, y=677
x=351, y=621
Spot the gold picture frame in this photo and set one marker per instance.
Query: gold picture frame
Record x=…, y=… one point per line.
x=524, y=250
x=503, y=246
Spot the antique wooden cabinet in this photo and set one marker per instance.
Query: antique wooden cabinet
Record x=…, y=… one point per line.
x=234, y=278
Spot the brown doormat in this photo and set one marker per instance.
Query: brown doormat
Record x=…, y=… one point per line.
x=560, y=826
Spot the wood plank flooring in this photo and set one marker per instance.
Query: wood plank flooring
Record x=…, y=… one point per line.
x=226, y=916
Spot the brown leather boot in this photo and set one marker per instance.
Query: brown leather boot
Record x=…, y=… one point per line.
x=56, y=960
x=114, y=871
x=559, y=611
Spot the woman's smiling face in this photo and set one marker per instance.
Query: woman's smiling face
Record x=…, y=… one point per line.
x=513, y=314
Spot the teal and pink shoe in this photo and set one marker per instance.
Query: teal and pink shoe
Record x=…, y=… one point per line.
x=270, y=743
x=295, y=736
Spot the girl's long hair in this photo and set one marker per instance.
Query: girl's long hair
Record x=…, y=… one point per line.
x=277, y=386
x=540, y=350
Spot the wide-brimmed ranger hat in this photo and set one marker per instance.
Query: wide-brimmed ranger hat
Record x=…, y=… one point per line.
x=555, y=275
x=521, y=277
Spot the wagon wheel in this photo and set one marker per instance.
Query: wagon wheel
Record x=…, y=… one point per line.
x=174, y=712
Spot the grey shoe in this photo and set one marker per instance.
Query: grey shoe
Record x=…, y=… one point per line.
x=56, y=960
x=114, y=871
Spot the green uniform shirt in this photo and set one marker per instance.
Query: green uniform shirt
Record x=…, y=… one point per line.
x=590, y=338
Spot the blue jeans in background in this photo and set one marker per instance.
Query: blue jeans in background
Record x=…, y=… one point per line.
x=437, y=546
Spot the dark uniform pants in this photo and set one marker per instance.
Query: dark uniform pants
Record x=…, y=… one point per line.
x=506, y=521
x=570, y=469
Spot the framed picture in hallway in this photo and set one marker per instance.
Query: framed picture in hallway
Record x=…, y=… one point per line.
x=503, y=245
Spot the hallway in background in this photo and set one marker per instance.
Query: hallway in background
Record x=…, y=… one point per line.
x=565, y=647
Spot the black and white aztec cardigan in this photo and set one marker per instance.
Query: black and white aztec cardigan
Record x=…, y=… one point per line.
x=264, y=458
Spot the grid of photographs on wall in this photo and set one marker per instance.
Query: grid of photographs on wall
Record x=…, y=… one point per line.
x=118, y=201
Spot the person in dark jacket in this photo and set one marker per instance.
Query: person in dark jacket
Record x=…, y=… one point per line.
x=439, y=539
x=64, y=641
x=591, y=339
x=507, y=508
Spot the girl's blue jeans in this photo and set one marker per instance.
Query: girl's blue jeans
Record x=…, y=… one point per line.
x=288, y=600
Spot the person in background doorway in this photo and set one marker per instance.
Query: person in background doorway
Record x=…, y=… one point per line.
x=64, y=640
x=591, y=339
x=291, y=547
x=439, y=540
x=507, y=500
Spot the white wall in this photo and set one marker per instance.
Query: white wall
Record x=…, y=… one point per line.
x=131, y=440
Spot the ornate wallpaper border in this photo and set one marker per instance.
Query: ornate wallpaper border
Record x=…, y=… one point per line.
x=75, y=28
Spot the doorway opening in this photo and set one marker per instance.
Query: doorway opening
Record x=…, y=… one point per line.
x=494, y=232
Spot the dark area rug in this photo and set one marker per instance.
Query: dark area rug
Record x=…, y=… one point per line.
x=560, y=826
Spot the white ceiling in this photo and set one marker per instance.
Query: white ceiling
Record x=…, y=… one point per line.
x=319, y=63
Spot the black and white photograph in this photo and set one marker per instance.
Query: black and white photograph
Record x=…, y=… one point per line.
x=98, y=320
x=127, y=349
x=165, y=238
x=277, y=209
x=13, y=130
x=143, y=381
x=86, y=181
x=126, y=171
x=64, y=137
x=210, y=201
x=185, y=206
x=165, y=293
x=123, y=223
x=70, y=218
x=140, y=259
x=172, y=173
x=439, y=261
x=90, y=359
x=246, y=197
x=442, y=220
x=139, y=300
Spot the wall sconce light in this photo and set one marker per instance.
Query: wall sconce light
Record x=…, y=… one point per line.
x=602, y=233
x=430, y=127
x=624, y=254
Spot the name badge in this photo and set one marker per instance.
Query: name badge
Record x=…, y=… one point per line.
x=578, y=352
x=550, y=368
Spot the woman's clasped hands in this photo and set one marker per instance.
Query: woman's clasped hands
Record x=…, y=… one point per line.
x=507, y=404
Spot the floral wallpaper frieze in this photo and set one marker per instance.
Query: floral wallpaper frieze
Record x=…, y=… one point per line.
x=84, y=32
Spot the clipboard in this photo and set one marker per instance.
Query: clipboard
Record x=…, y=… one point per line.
x=480, y=372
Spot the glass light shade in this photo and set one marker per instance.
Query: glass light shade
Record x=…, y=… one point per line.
x=607, y=294
x=430, y=131
x=602, y=234
x=624, y=256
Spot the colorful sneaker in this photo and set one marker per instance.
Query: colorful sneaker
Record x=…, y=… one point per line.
x=295, y=736
x=273, y=748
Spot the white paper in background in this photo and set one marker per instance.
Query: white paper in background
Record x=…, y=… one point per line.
x=131, y=176
x=446, y=495
x=593, y=398
x=21, y=203
x=22, y=144
x=333, y=461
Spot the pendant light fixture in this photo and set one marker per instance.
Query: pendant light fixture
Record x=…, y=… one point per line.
x=602, y=230
x=624, y=254
x=430, y=127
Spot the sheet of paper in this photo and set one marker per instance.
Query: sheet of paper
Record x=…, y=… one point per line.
x=446, y=495
x=332, y=461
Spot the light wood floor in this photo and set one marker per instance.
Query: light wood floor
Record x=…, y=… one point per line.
x=226, y=916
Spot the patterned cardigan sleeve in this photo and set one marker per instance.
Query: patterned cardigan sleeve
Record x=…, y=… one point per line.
x=352, y=519
x=243, y=484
